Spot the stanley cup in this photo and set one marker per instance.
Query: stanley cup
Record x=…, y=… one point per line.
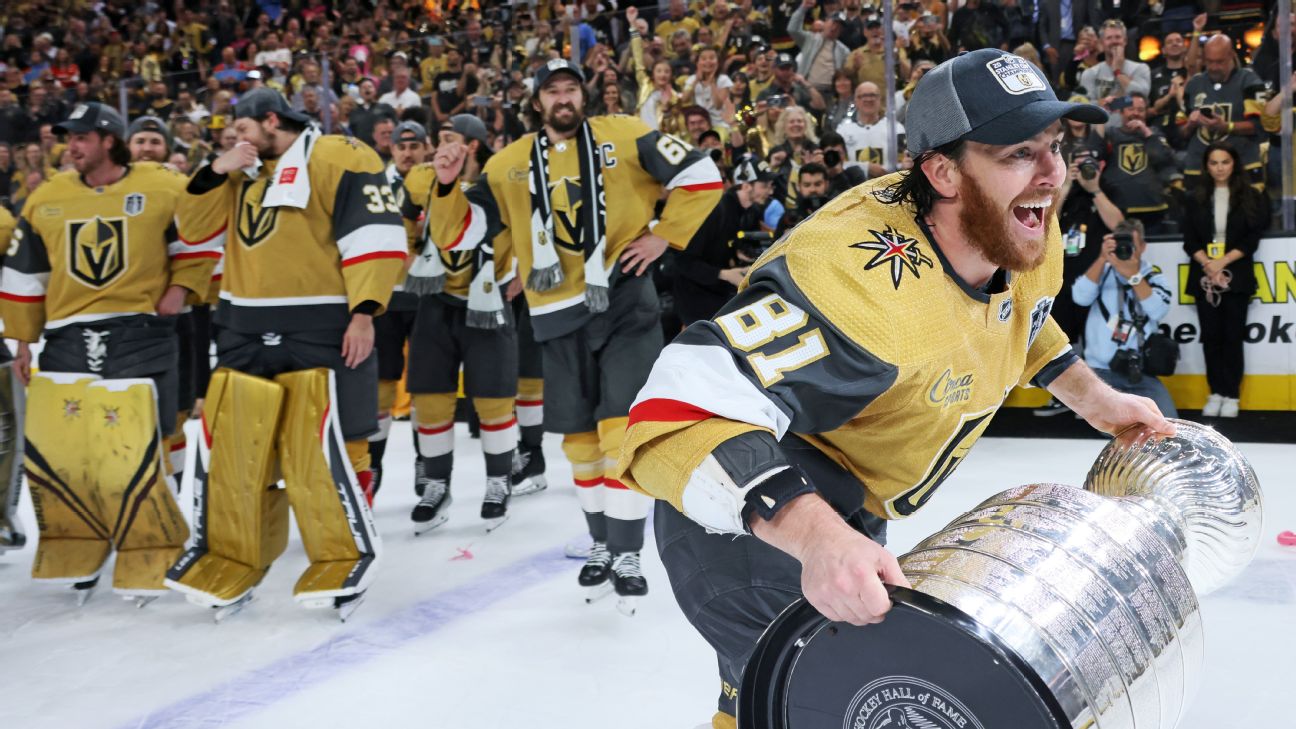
x=1096, y=589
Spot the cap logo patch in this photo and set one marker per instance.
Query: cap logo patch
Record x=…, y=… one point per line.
x=79, y=111
x=1016, y=75
x=556, y=63
x=288, y=176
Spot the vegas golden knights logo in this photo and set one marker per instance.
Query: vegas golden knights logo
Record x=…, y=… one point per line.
x=952, y=453
x=565, y=197
x=1133, y=158
x=255, y=223
x=869, y=155
x=97, y=250
x=457, y=261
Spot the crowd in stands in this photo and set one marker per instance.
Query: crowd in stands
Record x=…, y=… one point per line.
x=790, y=95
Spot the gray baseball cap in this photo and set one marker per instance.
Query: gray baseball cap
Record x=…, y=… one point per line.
x=409, y=131
x=988, y=96
x=93, y=117
x=149, y=124
x=259, y=102
x=469, y=126
x=557, y=65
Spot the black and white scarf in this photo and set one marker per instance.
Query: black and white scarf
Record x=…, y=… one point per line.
x=427, y=275
x=546, y=268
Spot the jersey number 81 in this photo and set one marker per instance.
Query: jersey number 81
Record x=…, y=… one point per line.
x=756, y=325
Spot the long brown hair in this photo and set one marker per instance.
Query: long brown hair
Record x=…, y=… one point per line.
x=1241, y=194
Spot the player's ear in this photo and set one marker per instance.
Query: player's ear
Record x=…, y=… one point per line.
x=943, y=174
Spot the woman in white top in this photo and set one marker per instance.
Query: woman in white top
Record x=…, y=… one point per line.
x=709, y=89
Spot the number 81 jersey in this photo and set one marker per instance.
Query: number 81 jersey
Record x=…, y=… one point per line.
x=854, y=333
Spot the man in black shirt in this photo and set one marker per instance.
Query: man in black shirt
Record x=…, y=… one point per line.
x=452, y=87
x=708, y=271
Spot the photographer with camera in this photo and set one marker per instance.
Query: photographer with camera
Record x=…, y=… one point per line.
x=812, y=194
x=708, y=271
x=1128, y=299
x=842, y=173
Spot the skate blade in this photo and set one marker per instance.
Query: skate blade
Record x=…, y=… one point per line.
x=226, y=612
x=627, y=604
x=428, y=526
x=141, y=601
x=493, y=524
x=84, y=591
x=345, y=609
x=576, y=550
x=598, y=592
x=530, y=485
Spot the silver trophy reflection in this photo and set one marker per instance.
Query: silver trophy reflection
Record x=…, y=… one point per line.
x=1097, y=589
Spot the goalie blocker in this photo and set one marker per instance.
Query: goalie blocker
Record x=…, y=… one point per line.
x=253, y=430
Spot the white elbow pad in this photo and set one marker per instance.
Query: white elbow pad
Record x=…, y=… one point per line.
x=712, y=498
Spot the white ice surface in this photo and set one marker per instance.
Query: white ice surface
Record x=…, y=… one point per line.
x=504, y=639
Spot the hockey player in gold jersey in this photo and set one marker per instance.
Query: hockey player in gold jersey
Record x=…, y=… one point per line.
x=313, y=248
x=149, y=140
x=94, y=266
x=464, y=322
x=861, y=360
x=392, y=329
x=576, y=201
x=11, y=435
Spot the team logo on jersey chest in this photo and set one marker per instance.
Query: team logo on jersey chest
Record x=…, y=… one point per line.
x=567, y=201
x=97, y=250
x=133, y=204
x=255, y=223
x=1133, y=158
x=891, y=247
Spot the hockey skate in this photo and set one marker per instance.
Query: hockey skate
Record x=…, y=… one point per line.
x=433, y=509
x=347, y=605
x=225, y=612
x=629, y=582
x=85, y=590
x=528, y=471
x=596, y=573
x=11, y=538
x=495, y=506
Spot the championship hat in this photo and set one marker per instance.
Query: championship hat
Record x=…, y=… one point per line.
x=988, y=96
x=93, y=116
x=259, y=102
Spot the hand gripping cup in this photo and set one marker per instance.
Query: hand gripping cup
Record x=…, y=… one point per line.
x=1045, y=606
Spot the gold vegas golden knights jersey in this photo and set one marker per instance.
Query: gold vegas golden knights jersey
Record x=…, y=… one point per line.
x=297, y=269
x=637, y=162
x=420, y=186
x=84, y=254
x=855, y=334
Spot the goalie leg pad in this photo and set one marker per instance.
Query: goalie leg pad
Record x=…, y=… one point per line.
x=11, y=458
x=332, y=514
x=75, y=539
x=240, y=518
x=129, y=455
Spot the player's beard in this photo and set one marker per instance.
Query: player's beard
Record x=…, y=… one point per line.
x=991, y=230
x=567, y=124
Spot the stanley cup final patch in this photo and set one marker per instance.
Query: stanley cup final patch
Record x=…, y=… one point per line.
x=133, y=204
x=1016, y=75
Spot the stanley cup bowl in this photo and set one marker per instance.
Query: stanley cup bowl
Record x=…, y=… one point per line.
x=1096, y=589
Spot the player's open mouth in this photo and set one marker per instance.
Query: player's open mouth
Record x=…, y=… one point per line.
x=1031, y=215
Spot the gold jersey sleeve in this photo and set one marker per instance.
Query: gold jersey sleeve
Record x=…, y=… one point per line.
x=854, y=334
